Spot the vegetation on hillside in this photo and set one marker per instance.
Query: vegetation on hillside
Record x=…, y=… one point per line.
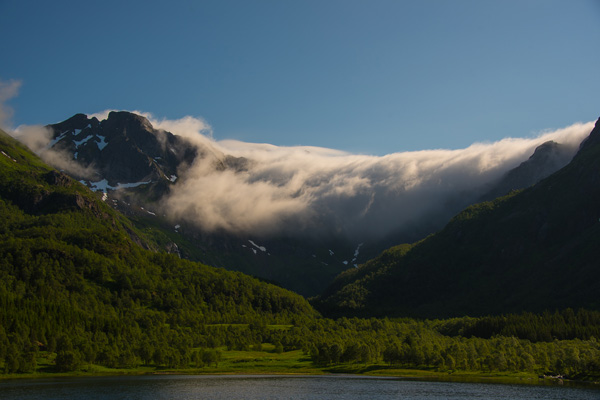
x=531, y=250
x=72, y=280
x=79, y=293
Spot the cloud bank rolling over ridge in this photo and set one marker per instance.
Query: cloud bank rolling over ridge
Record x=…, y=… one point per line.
x=290, y=190
x=314, y=190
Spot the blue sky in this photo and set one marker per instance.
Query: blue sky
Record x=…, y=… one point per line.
x=368, y=77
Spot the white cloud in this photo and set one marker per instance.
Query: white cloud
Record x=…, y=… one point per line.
x=8, y=90
x=187, y=126
x=37, y=138
x=289, y=189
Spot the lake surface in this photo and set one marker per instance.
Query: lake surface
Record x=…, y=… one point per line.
x=187, y=387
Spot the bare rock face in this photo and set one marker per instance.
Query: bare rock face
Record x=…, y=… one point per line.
x=57, y=178
x=124, y=148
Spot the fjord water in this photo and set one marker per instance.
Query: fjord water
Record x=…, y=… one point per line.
x=277, y=387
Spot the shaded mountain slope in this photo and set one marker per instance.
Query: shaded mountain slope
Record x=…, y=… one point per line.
x=123, y=149
x=547, y=158
x=139, y=167
x=71, y=273
x=77, y=294
x=532, y=250
x=43, y=207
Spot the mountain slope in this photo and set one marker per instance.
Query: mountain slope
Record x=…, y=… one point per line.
x=547, y=158
x=137, y=165
x=532, y=250
x=73, y=279
x=76, y=293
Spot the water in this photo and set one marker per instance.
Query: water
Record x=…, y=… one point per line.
x=186, y=387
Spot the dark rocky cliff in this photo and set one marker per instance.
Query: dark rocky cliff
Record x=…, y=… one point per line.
x=124, y=148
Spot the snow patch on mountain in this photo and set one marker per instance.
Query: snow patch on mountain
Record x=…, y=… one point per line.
x=80, y=142
x=357, y=251
x=102, y=143
x=261, y=248
x=104, y=186
x=56, y=140
x=9, y=156
x=131, y=185
x=98, y=186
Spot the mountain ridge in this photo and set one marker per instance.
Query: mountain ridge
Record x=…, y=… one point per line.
x=528, y=251
x=547, y=158
x=135, y=167
x=73, y=281
x=124, y=148
x=79, y=297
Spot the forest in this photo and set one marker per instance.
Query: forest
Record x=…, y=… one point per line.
x=80, y=288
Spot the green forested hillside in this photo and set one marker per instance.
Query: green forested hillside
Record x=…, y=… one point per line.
x=73, y=280
x=79, y=292
x=529, y=251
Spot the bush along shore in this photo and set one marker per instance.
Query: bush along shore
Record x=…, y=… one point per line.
x=436, y=349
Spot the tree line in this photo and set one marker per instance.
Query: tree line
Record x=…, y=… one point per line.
x=76, y=289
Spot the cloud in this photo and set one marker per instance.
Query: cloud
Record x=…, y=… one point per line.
x=8, y=90
x=290, y=190
x=188, y=126
x=35, y=137
x=38, y=139
x=195, y=129
x=312, y=190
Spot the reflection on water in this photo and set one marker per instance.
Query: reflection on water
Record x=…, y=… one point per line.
x=186, y=387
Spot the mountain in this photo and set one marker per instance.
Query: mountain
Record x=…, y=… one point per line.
x=123, y=149
x=77, y=293
x=531, y=250
x=74, y=281
x=547, y=158
x=61, y=221
x=137, y=167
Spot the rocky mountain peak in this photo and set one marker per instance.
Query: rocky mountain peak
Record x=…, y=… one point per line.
x=544, y=149
x=77, y=121
x=594, y=137
x=134, y=126
x=123, y=149
x=126, y=117
x=546, y=159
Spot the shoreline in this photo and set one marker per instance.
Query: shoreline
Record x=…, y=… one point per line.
x=401, y=374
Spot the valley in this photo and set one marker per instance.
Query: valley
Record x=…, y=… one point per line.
x=87, y=290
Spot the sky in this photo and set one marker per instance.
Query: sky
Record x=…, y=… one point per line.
x=366, y=77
